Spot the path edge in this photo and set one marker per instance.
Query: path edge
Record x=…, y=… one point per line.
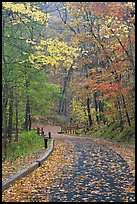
x=7, y=183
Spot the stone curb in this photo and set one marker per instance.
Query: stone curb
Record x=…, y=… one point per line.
x=24, y=172
x=6, y=184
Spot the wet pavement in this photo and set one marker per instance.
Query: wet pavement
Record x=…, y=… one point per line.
x=95, y=174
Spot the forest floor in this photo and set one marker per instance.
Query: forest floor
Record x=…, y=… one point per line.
x=79, y=169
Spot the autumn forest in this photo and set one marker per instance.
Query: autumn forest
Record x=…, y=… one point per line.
x=67, y=64
x=71, y=62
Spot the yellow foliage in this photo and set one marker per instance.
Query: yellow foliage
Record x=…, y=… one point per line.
x=26, y=9
x=54, y=52
x=78, y=110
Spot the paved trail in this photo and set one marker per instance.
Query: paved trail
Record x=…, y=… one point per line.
x=84, y=171
x=96, y=174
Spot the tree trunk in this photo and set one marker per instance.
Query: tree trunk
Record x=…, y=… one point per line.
x=96, y=106
x=4, y=131
x=100, y=106
x=29, y=118
x=120, y=115
x=16, y=124
x=10, y=116
x=27, y=111
x=63, y=101
x=27, y=115
x=129, y=45
x=4, y=97
x=4, y=117
x=88, y=100
x=127, y=115
x=89, y=113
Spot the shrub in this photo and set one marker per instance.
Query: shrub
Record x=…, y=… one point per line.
x=29, y=142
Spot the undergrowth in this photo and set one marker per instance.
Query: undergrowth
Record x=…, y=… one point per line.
x=127, y=135
x=29, y=142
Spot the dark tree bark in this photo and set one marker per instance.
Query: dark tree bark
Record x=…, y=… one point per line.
x=27, y=111
x=4, y=129
x=120, y=115
x=4, y=97
x=16, y=124
x=89, y=113
x=4, y=117
x=127, y=115
x=96, y=105
x=27, y=115
x=10, y=116
x=100, y=105
x=88, y=100
x=62, y=101
x=29, y=119
x=66, y=80
x=4, y=114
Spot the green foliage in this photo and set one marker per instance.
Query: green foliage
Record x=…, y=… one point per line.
x=17, y=70
x=33, y=65
x=42, y=94
x=127, y=135
x=29, y=142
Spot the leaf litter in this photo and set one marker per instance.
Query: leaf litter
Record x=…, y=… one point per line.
x=77, y=170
